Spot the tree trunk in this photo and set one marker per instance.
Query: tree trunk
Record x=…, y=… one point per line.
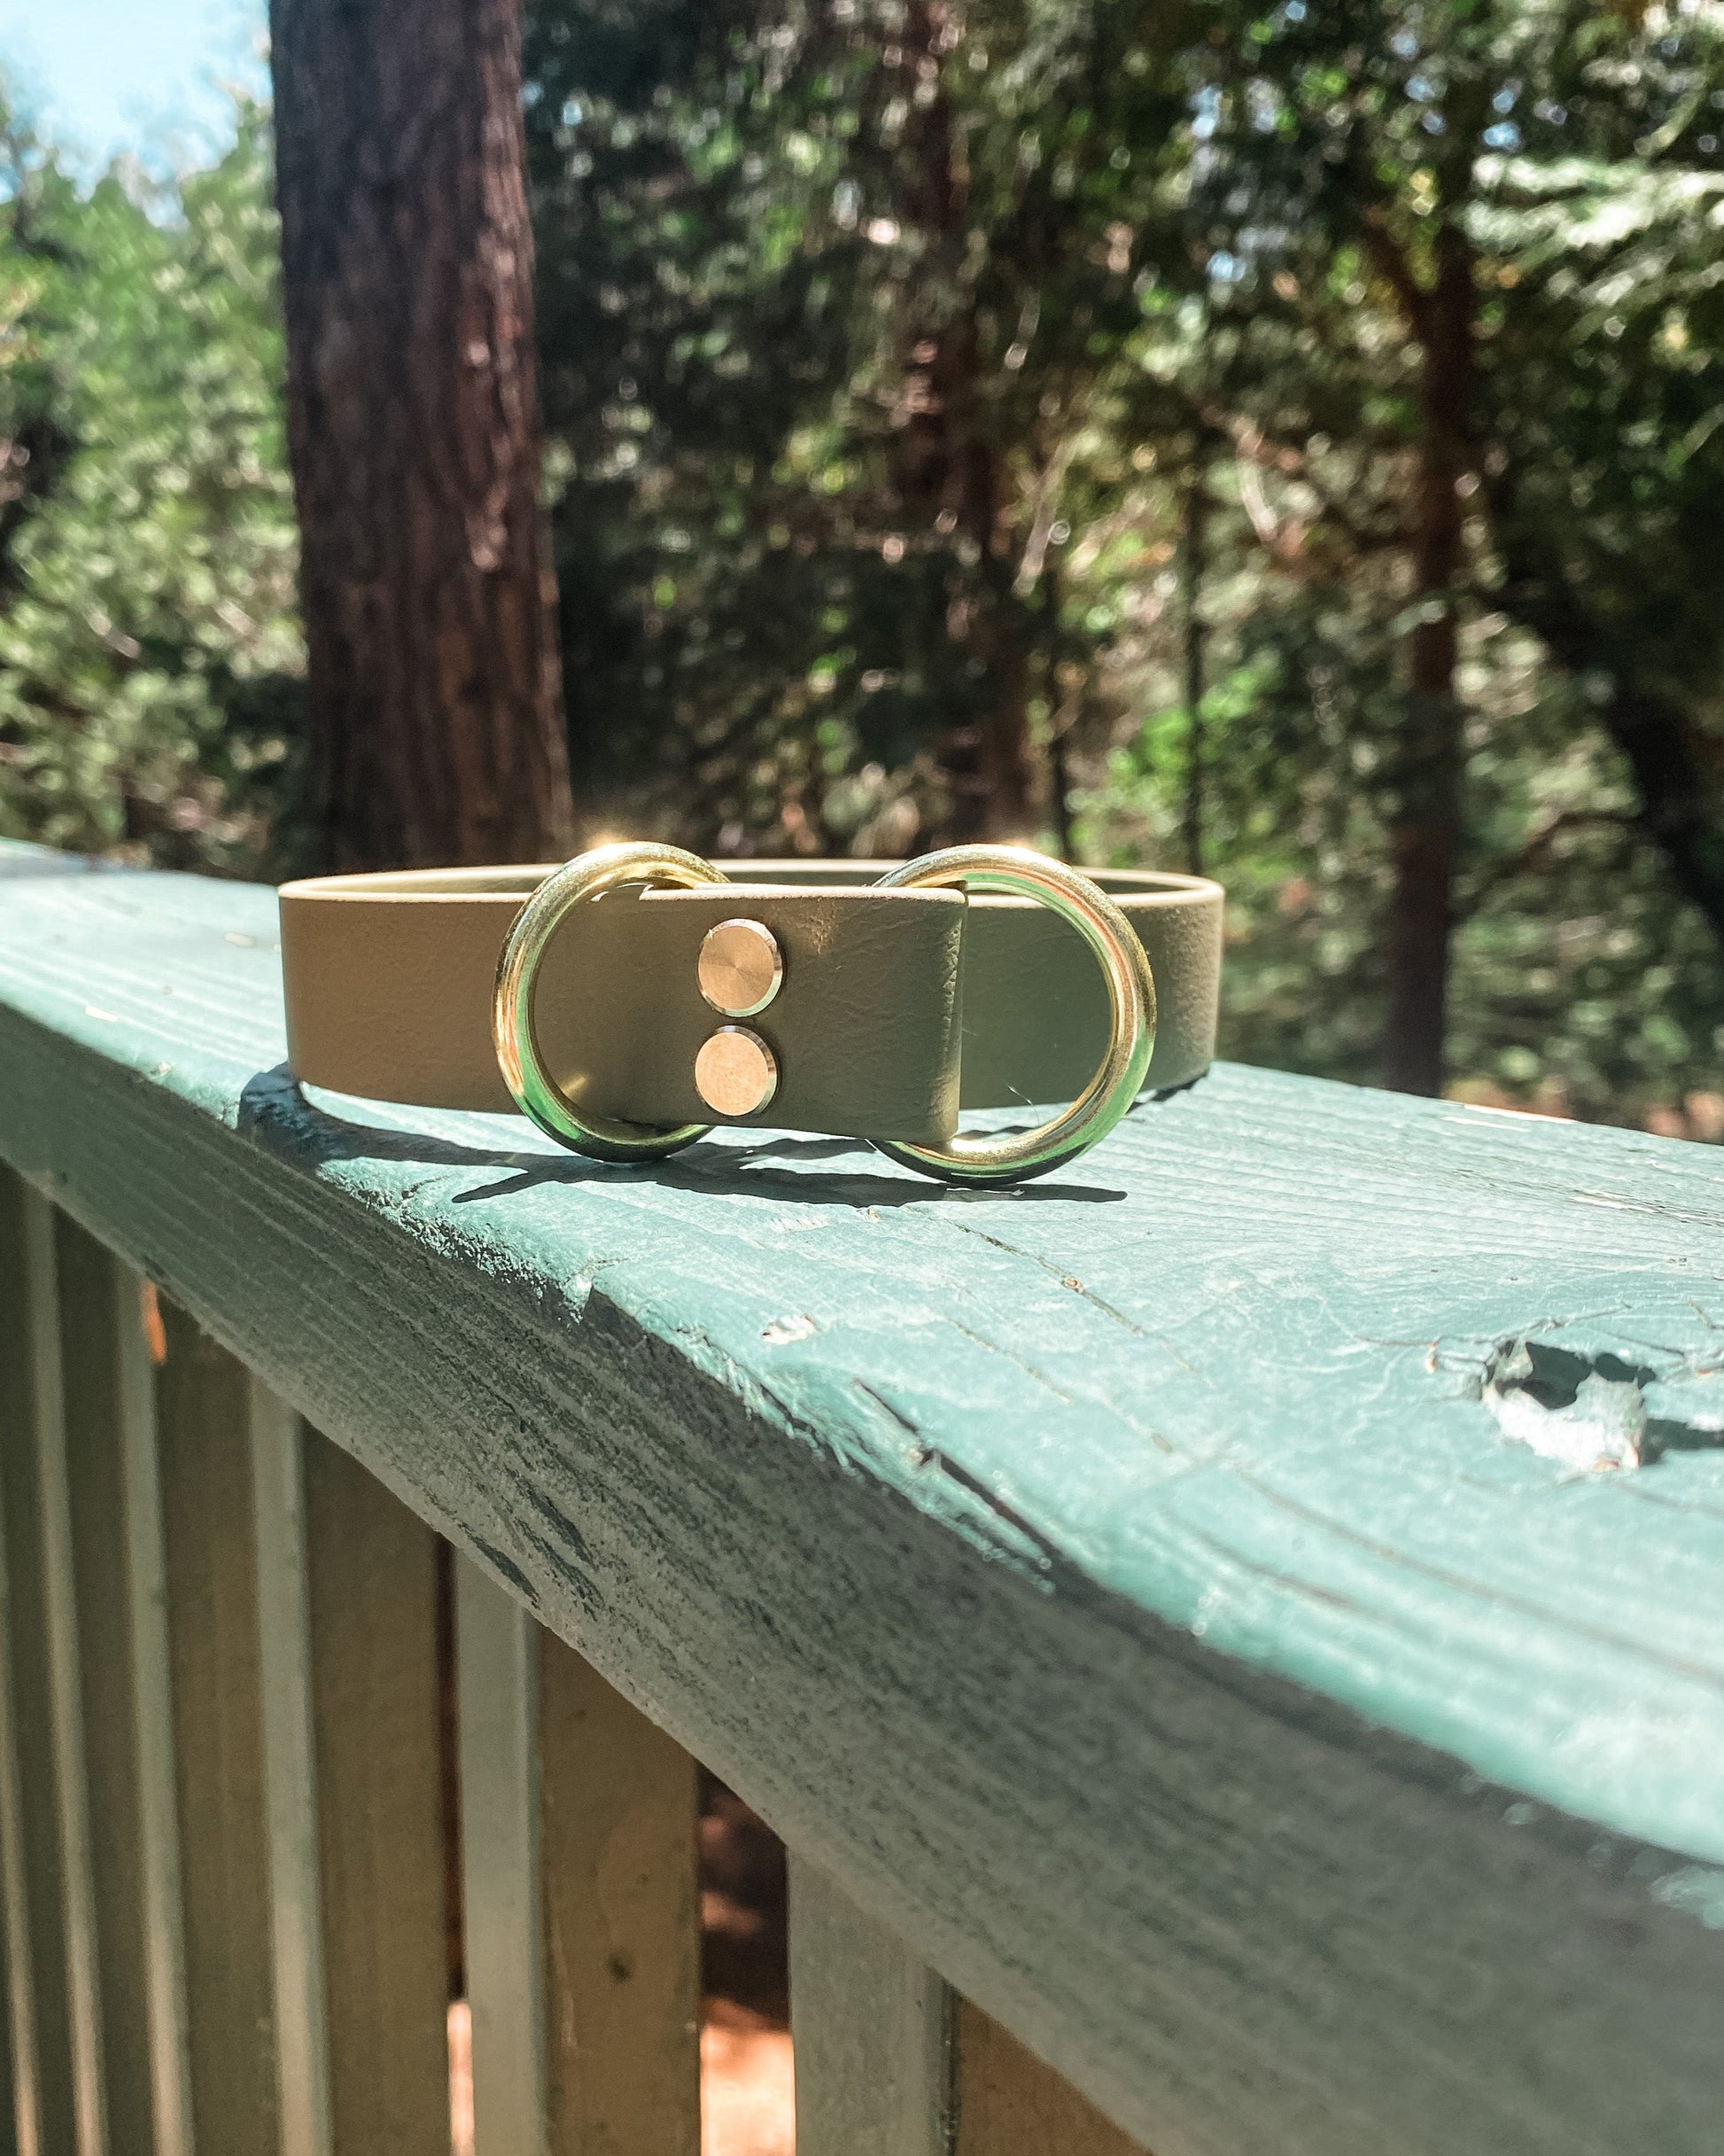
x=1678, y=768
x=436, y=735
x=949, y=472
x=1195, y=634
x=1678, y=795
x=1424, y=826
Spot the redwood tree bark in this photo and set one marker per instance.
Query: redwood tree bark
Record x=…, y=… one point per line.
x=436, y=733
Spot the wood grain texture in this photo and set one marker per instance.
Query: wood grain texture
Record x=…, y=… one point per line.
x=8, y=2085
x=622, y=1920
x=289, y=1773
x=66, y=1674
x=371, y=1577
x=1006, y=2103
x=497, y=1656
x=873, y=2026
x=215, y=1682
x=95, y=1478
x=137, y=1337
x=1122, y=1588
x=21, y=2124
x=30, y=1830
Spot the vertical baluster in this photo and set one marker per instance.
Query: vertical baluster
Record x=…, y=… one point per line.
x=158, y=1814
x=872, y=2024
x=371, y=1596
x=289, y=1779
x=108, y=1422
x=30, y=1840
x=583, y=1941
x=891, y=2062
x=622, y=1920
x=1009, y=2103
x=8, y=2114
x=215, y=1684
x=64, y=1681
x=22, y=2126
x=497, y=1691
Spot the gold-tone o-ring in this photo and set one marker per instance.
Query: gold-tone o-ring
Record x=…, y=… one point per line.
x=1015, y=871
x=536, y=1092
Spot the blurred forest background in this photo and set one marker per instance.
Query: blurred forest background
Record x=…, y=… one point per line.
x=1286, y=439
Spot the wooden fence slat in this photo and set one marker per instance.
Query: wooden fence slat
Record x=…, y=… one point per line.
x=215, y=1681
x=497, y=1690
x=22, y=2125
x=8, y=2115
x=30, y=1855
x=1009, y=2103
x=891, y=2062
x=872, y=2024
x=99, y=1332
x=289, y=1770
x=371, y=1579
x=622, y=1920
x=65, y=1682
x=158, y=1813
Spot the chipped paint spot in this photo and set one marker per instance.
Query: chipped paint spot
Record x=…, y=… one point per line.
x=1596, y=1411
x=782, y=1331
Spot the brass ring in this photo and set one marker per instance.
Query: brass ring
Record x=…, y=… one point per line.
x=1018, y=873
x=536, y=1092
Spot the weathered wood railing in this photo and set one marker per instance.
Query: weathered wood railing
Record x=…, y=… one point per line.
x=1248, y=1614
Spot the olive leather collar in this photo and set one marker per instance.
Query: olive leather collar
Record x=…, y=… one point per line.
x=898, y=1007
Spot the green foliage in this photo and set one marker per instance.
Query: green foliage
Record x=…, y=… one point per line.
x=149, y=657
x=989, y=415
x=886, y=343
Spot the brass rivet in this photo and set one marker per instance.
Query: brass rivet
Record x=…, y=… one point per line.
x=735, y=1072
x=740, y=966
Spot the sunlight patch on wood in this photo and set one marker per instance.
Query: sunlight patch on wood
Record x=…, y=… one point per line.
x=747, y=2085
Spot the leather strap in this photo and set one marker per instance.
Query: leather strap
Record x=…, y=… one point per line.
x=898, y=1007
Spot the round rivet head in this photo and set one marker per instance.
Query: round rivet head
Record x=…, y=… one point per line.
x=735, y=1072
x=740, y=966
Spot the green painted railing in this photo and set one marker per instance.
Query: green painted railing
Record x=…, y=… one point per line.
x=1245, y=1617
